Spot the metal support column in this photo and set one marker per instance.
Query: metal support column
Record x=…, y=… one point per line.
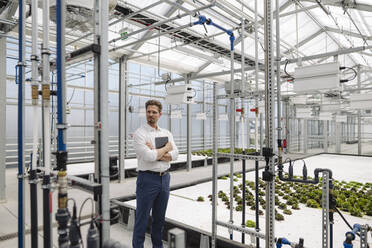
x=359, y=116
x=123, y=115
x=269, y=123
x=2, y=118
x=325, y=133
x=102, y=122
x=325, y=209
x=215, y=166
x=21, y=125
x=278, y=84
x=305, y=135
x=189, y=129
x=204, y=124
x=338, y=136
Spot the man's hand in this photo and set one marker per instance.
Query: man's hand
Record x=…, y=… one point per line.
x=149, y=145
x=167, y=157
x=168, y=147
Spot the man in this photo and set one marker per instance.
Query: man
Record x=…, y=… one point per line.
x=153, y=178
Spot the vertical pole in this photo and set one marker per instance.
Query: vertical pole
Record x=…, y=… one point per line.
x=359, y=116
x=123, y=115
x=278, y=86
x=103, y=119
x=204, y=121
x=305, y=135
x=215, y=166
x=232, y=140
x=256, y=74
x=2, y=118
x=62, y=215
x=325, y=132
x=242, y=124
x=61, y=74
x=21, y=126
x=189, y=129
x=269, y=121
x=338, y=136
x=35, y=128
x=34, y=84
x=325, y=210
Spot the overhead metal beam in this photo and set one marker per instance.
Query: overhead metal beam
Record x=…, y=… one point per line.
x=290, y=61
x=344, y=4
x=353, y=34
x=306, y=40
x=149, y=32
x=202, y=67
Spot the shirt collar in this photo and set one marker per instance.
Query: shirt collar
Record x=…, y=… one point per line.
x=150, y=128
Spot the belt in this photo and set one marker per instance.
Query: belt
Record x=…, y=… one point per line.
x=162, y=173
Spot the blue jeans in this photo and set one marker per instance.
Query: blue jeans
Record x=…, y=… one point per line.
x=152, y=193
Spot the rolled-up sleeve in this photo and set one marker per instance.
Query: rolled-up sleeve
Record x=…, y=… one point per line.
x=142, y=150
x=174, y=152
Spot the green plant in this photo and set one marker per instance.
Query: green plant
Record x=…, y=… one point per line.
x=223, y=177
x=355, y=212
x=295, y=206
x=282, y=206
x=250, y=223
x=200, y=199
x=312, y=204
x=287, y=211
x=279, y=217
x=239, y=208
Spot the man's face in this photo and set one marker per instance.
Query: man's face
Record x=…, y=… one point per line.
x=152, y=114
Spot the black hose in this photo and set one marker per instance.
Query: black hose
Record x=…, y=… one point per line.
x=257, y=205
x=243, y=201
x=47, y=212
x=347, y=223
x=34, y=212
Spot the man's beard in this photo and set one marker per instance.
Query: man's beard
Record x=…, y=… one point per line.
x=151, y=121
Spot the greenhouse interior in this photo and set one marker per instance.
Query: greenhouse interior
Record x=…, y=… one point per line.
x=186, y=123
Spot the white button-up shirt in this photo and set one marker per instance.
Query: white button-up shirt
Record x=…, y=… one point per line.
x=146, y=157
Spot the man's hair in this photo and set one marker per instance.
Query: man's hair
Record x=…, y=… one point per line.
x=154, y=102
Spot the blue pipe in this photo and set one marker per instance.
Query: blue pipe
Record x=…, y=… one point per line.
x=61, y=145
x=203, y=20
x=20, y=126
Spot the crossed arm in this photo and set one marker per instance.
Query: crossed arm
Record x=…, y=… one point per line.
x=163, y=153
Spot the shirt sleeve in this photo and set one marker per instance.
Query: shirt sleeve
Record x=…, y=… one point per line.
x=174, y=152
x=142, y=150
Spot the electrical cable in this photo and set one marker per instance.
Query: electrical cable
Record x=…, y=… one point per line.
x=285, y=70
x=343, y=218
x=82, y=205
x=72, y=95
x=348, y=68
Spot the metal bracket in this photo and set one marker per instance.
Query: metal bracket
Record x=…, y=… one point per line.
x=62, y=126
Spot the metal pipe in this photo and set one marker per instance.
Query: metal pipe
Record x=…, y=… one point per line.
x=62, y=215
x=103, y=119
x=215, y=167
x=61, y=84
x=359, y=116
x=189, y=130
x=242, y=124
x=278, y=91
x=21, y=89
x=232, y=139
x=34, y=84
